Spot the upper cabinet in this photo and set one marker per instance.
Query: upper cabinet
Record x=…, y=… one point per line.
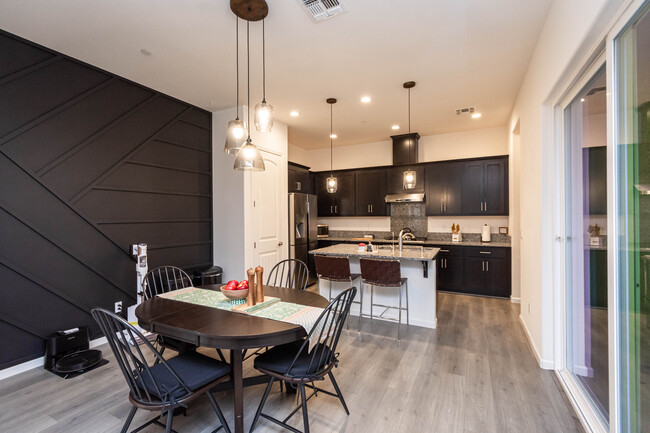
x=300, y=180
x=444, y=188
x=370, y=191
x=395, y=179
x=485, y=187
x=405, y=148
x=452, y=188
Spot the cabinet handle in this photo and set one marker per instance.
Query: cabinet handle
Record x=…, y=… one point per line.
x=331, y=209
x=336, y=209
x=371, y=211
x=441, y=208
x=485, y=205
x=368, y=208
x=445, y=263
x=483, y=265
x=445, y=206
x=481, y=206
x=487, y=266
x=485, y=252
x=298, y=186
x=444, y=251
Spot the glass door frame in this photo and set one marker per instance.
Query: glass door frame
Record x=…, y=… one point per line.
x=586, y=411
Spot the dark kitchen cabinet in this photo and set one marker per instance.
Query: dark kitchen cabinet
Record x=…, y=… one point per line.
x=370, y=192
x=444, y=188
x=395, y=179
x=405, y=148
x=340, y=203
x=300, y=180
x=450, y=269
x=486, y=271
x=485, y=187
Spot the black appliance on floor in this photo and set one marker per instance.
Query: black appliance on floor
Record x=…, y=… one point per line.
x=68, y=353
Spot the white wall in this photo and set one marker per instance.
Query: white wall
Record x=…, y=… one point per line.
x=470, y=144
x=571, y=32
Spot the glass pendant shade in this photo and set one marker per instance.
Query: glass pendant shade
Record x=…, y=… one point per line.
x=332, y=183
x=263, y=117
x=235, y=136
x=409, y=179
x=249, y=158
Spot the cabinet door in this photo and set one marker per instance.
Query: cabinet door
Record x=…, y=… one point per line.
x=370, y=191
x=326, y=200
x=597, y=183
x=435, y=189
x=453, y=177
x=303, y=181
x=497, y=278
x=495, y=193
x=472, y=201
x=473, y=275
x=454, y=270
x=345, y=202
x=395, y=179
x=291, y=177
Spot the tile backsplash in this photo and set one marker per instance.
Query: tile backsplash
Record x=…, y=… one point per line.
x=411, y=215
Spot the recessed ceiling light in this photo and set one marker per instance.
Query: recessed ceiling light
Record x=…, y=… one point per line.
x=476, y=115
x=365, y=99
x=395, y=127
x=333, y=136
x=294, y=114
x=145, y=52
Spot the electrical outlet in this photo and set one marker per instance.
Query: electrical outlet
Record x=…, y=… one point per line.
x=118, y=307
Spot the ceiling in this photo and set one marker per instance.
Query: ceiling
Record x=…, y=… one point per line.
x=460, y=53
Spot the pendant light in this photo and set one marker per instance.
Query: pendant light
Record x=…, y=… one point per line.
x=409, y=176
x=236, y=128
x=331, y=181
x=249, y=157
x=263, y=111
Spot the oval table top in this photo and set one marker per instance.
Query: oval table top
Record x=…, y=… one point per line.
x=212, y=327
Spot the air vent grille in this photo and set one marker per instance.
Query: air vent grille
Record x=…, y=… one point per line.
x=321, y=10
x=466, y=110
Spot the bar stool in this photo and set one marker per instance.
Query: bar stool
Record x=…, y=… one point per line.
x=335, y=269
x=384, y=273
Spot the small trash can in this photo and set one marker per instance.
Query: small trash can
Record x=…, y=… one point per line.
x=209, y=275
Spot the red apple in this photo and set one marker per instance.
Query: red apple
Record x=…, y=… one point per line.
x=243, y=285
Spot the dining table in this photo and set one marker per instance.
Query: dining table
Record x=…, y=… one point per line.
x=211, y=327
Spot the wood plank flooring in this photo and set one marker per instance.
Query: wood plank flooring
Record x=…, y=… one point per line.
x=475, y=373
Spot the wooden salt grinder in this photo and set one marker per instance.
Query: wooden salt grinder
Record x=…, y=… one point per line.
x=259, y=288
x=250, y=299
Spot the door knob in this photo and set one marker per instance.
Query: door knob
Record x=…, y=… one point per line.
x=280, y=243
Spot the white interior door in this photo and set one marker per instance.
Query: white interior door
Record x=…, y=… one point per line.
x=269, y=213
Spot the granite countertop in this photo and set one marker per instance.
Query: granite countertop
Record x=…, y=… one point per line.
x=425, y=243
x=382, y=253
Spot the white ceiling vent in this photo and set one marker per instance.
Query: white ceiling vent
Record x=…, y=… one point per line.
x=466, y=110
x=321, y=10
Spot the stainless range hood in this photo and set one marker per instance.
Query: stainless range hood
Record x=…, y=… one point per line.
x=405, y=198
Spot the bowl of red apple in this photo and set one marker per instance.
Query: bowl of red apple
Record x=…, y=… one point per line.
x=235, y=290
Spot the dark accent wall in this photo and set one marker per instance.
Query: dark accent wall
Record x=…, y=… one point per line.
x=90, y=163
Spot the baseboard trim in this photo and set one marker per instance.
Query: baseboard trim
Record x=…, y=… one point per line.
x=543, y=363
x=38, y=362
x=515, y=300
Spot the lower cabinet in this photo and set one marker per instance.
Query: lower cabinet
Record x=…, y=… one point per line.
x=475, y=270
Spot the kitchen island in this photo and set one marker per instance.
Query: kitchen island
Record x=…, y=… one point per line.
x=418, y=264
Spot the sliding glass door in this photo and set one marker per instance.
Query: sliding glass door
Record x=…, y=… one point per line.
x=632, y=78
x=586, y=330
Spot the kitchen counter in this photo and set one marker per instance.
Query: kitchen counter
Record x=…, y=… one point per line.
x=382, y=252
x=417, y=264
x=418, y=243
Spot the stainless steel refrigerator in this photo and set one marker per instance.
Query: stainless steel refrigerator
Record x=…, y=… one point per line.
x=303, y=229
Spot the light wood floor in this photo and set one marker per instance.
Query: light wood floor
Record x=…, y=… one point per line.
x=475, y=373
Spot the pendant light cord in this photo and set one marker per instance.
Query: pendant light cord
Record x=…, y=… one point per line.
x=263, y=63
x=331, y=146
x=237, y=62
x=248, y=67
x=409, y=110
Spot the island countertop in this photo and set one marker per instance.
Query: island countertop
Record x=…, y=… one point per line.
x=382, y=252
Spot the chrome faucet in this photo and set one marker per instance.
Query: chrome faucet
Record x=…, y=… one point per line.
x=401, y=233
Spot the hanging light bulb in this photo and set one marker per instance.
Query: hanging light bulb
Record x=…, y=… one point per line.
x=236, y=132
x=263, y=111
x=249, y=157
x=409, y=179
x=331, y=182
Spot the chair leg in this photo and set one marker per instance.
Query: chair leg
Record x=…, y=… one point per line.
x=221, y=357
x=261, y=406
x=305, y=416
x=360, y=305
x=372, y=291
x=127, y=423
x=406, y=286
x=338, y=392
x=399, y=314
x=170, y=419
x=216, y=408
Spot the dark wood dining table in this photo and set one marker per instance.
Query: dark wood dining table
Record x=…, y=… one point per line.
x=221, y=329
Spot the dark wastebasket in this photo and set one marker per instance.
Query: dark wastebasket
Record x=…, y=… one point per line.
x=208, y=275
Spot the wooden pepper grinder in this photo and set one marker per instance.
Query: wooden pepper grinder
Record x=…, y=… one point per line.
x=250, y=299
x=259, y=288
